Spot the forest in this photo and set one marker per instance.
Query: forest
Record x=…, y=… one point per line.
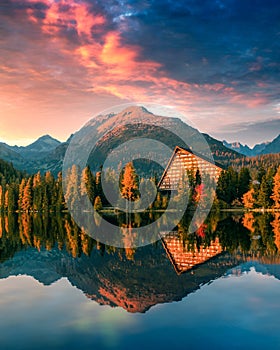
x=243, y=187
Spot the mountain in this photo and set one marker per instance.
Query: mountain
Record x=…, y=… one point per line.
x=47, y=153
x=38, y=149
x=43, y=154
x=169, y=131
x=272, y=147
x=238, y=147
x=259, y=149
x=11, y=156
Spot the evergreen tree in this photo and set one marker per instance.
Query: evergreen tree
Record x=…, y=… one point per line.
x=88, y=184
x=37, y=192
x=244, y=178
x=60, y=202
x=227, y=186
x=265, y=190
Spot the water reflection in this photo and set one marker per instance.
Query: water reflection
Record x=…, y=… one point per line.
x=51, y=247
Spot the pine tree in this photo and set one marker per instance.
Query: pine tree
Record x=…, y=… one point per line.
x=276, y=190
x=88, y=184
x=243, y=182
x=265, y=190
x=60, y=202
x=227, y=186
x=37, y=192
x=11, y=196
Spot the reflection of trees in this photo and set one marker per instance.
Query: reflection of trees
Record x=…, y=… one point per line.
x=276, y=229
x=254, y=235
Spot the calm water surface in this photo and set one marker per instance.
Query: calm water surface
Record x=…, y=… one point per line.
x=216, y=289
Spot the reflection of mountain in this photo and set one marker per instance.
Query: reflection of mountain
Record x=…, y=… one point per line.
x=51, y=247
x=184, y=259
x=112, y=279
x=270, y=268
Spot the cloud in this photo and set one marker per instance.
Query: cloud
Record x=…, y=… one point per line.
x=250, y=132
x=79, y=56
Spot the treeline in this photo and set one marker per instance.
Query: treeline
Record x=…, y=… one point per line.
x=44, y=192
x=258, y=190
x=255, y=163
x=34, y=193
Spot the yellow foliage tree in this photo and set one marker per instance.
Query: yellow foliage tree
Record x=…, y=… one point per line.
x=130, y=183
x=276, y=190
x=248, y=199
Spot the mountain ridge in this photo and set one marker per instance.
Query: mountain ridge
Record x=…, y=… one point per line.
x=47, y=154
x=268, y=147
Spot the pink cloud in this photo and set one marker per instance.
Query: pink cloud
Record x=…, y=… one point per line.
x=53, y=72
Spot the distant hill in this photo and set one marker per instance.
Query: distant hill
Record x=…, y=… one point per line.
x=38, y=149
x=238, y=147
x=8, y=173
x=272, y=147
x=262, y=148
x=43, y=154
x=9, y=155
x=47, y=153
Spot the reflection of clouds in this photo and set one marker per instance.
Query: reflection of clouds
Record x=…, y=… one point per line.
x=52, y=314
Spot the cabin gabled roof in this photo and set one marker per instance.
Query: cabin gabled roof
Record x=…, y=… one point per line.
x=197, y=155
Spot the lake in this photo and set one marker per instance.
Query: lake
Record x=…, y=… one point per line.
x=218, y=288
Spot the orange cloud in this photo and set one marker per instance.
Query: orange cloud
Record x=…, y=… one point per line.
x=54, y=72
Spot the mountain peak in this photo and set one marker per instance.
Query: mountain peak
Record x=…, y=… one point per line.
x=135, y=109
x=47, y=138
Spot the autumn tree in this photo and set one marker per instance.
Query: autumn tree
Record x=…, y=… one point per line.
x=130, y=183
x=248, y=199
x=97, y=203
x=26, y=203
x=276, y=190
x=72, y=194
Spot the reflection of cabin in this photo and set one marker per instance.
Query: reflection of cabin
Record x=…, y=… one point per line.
x=183, y=160
x=184, y=259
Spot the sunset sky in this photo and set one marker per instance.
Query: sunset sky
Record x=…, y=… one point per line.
x=62, y=61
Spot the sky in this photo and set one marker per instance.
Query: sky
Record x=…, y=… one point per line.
x=63, y=61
